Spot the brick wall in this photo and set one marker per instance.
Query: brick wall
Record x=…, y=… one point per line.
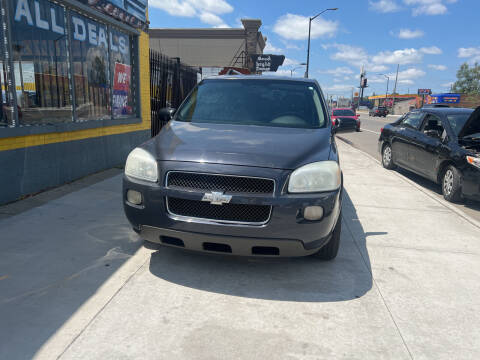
x=469, y=101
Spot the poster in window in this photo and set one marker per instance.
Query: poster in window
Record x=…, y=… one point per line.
x=121, y=87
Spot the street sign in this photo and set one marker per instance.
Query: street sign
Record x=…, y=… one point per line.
x=424, y=91
x=267, y=62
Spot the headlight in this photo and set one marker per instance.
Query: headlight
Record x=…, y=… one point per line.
x=315, y=177
x=141, y=165
x=475, y=161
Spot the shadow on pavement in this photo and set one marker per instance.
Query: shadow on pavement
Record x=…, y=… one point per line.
x=54, y=258
x=284, y=279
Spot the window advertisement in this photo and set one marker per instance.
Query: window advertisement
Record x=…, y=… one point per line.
x=123, y=99
x=40, y=63
x=90, y=68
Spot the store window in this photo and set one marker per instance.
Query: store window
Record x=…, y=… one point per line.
x=40, y=62
x=3, y=87
x=60, y=58
x=90, y=68
x=121, y=68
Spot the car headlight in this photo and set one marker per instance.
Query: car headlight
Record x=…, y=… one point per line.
x=141, y=165
x=315, y=177
x=475, y=161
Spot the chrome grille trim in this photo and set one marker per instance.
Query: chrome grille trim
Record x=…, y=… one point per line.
x=198, y=220
x=177, y=217
x=221, y=175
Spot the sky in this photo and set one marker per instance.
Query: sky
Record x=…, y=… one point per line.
x=430, y=39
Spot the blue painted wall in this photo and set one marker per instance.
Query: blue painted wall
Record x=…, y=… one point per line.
x=30, y=170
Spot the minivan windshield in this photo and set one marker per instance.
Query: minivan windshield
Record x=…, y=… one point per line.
x=260, y=102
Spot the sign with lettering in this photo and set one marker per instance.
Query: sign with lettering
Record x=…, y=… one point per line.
x=48, y=16
x=267, y=62
x=131, y=12
x=444, y=99
x=121, y=85
x=424, y=91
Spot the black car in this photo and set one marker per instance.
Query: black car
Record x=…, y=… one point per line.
x=441, y=144
x=378, y=111
x=248, y=165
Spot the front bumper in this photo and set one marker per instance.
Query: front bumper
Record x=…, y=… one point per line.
x=285, y=234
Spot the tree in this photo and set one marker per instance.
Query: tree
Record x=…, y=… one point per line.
x=468, y=79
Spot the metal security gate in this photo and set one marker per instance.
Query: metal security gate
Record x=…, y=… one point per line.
x=170, y=82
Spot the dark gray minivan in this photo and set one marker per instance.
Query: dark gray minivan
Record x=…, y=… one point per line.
x=248, y=165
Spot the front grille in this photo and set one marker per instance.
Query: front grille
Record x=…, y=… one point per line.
x=236, y=213
x=348, y=121
x=222, y=183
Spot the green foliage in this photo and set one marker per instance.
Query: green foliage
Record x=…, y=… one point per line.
x=468, y=79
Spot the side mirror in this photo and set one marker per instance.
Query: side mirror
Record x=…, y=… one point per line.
x=166, y=114
x=336, y=126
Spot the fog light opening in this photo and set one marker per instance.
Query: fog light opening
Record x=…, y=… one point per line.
x=134, y=197
x=313, y=213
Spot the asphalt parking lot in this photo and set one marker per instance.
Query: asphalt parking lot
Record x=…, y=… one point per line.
x=76, y=283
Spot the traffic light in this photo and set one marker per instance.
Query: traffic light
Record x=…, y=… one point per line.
x=364, y=82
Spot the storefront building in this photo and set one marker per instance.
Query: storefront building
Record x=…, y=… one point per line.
x=74, y=89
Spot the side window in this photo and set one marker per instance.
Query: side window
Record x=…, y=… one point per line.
x=413, y=120
x=432, y=126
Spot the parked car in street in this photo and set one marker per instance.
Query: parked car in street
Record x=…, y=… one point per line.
x=378, y=111
x=248, y=165
x=345, y=119
x=441, y=144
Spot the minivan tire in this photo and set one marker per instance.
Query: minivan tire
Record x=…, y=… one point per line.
x=330, y=250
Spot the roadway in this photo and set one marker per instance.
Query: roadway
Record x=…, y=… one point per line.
x=367, y=140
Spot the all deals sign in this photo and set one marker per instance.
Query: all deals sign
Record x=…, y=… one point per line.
x=121, y=87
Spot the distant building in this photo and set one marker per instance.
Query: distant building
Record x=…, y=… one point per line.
x=212, y=49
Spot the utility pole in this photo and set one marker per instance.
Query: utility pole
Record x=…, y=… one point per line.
x=395, y=90
x=360, y=95
x=386, y=94
x=309, y=32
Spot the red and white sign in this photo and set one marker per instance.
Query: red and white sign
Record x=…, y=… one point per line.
x=122, y=75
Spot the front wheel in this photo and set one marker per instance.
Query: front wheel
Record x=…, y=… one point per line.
x=452, y=184
x=330, y=251
x=387, y=159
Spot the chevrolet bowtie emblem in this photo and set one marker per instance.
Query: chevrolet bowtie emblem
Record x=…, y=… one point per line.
x=217, y=198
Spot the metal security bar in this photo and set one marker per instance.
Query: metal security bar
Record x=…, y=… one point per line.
x=170, y=82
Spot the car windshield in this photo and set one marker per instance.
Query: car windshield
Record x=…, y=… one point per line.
x=255, y=102
x=343, y=112
x=457, y=122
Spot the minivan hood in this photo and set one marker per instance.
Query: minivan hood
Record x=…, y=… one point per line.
x=259, y=146
x=472, y=125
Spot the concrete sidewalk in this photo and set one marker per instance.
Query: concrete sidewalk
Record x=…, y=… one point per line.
x=75, y=283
